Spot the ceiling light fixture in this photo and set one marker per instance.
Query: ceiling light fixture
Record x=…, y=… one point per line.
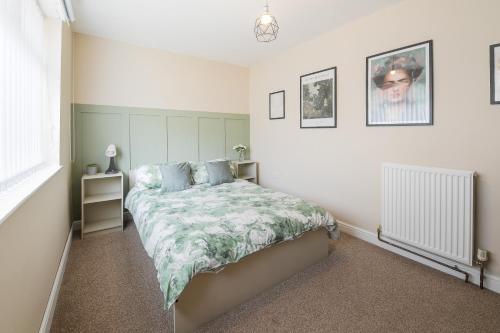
x=266, y=26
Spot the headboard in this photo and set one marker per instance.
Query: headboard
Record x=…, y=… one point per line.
x=144, y=136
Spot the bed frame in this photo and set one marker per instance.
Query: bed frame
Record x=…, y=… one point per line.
x=209, y=295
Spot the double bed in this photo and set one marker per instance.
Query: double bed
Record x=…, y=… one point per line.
x=216, y=246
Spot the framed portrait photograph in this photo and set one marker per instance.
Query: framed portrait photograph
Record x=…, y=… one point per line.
x=495, y=74
x=318, y=99
x=277, y=105
x=399, y=86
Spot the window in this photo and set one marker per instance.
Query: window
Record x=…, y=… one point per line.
x=29, y=99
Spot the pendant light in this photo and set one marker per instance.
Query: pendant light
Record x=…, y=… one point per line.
x=266, y=26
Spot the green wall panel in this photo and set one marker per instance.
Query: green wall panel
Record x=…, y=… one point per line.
x=236, y=133
x=102, y=130
x=145, y=136
x=211, y=138
x=181, y=138
x=148, y=143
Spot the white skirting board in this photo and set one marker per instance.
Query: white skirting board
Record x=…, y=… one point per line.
x=491, y=282
x=51, y=305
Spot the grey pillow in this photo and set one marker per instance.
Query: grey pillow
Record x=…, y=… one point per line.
x=219, y=172
x=175, y=177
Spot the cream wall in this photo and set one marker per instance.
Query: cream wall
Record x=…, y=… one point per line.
x=115, y=73
x=33, y=238
x=340, y=168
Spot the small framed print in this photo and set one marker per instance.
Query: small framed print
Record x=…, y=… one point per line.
x=318, y=99
x=399, y=86
x=277, y=105
x=495, y=74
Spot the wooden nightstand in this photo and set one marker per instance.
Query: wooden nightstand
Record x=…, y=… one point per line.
x=246, y=170
x=102, y=202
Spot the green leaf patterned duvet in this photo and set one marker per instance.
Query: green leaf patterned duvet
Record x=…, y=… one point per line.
x=207, y=227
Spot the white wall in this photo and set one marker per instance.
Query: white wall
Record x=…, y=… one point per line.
x=32, y=239
x=340, y=168
x=114, y=73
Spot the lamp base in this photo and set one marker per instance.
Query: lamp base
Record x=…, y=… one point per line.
x=112, y=167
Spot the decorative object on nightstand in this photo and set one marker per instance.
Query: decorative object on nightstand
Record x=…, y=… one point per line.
x=111, y=153
x=91, y=169
x=246, y=170
x=240, y=149
x=102, y=202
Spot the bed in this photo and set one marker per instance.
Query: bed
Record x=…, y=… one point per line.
x=217, y=246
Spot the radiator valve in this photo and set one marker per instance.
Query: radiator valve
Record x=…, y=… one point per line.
x=482, y=259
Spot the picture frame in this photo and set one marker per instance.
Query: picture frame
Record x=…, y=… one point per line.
x=495, y=74
x=277, y=105
x=399, y=86
x=318, y=99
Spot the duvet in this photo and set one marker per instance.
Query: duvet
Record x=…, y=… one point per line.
x=206, y=227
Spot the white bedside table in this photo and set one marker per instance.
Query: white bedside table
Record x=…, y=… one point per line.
x=246, y=170
x=102, y=202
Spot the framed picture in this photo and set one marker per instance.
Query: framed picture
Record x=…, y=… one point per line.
x=318, y=99
x=399, y=86
x=277, y=105
x=495, y=74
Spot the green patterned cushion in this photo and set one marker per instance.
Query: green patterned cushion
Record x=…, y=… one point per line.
x=148, y=176
x=199, y=171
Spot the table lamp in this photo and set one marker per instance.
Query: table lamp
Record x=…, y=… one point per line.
x=111, y=153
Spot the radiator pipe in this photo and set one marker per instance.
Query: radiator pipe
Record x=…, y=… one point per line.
x=455, y=268
x=481, y=276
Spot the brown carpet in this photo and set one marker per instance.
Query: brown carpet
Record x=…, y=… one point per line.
x=110, y=285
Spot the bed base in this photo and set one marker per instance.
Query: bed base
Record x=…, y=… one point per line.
x=209, y=295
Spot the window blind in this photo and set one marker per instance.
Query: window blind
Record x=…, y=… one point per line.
x=24, y=125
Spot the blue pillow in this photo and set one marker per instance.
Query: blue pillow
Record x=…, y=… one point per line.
x=175, y=177
x=219, y=172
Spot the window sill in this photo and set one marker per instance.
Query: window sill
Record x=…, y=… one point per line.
x=13, y=198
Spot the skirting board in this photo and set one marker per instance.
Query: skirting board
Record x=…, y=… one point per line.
x=491, y=282
x=51, y=305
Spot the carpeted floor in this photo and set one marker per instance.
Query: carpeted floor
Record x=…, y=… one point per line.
x=110, y=285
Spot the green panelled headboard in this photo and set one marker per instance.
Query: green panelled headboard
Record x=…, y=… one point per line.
x=145, y=136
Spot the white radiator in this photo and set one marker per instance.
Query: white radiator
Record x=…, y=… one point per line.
x=430, y=209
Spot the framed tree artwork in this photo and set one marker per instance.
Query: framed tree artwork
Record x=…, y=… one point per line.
x=495, y=74
x=318, y=99
x=399, y=86
x=277, y=105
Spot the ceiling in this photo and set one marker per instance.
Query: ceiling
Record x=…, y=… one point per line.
x=215, y=29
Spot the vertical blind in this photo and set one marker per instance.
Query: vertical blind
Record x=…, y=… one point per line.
x=23, y=91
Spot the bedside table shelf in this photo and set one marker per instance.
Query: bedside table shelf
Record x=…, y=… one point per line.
x=92, y=226
x=102, y=202
x=102, y=175
x=246, y=177
x=102, y=197
x=246, y=170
